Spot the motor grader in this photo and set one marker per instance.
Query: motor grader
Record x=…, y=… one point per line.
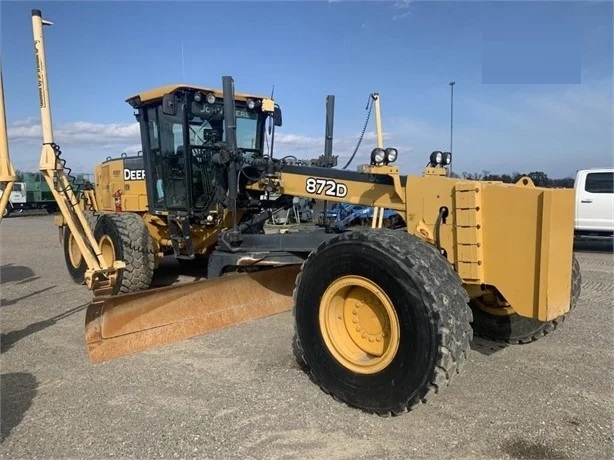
x=382, y=318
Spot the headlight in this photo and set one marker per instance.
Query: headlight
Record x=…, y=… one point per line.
x=447, y=158
x=198, y=97
x=250, y=104
x=391, y=155
x=378, y=155
x=211, y=98
x=436, y=157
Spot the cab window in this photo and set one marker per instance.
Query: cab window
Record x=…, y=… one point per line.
x=599, y=182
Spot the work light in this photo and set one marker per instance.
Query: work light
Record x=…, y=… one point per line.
x=378, y=155
x=436, y=158
x=391, y=154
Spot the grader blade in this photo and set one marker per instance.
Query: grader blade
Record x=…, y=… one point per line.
x=130, y=323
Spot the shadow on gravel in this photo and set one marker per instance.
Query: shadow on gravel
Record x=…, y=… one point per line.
x=486, y=347
x=9, y=339
x=170, y=269
x=588, y=245
x=17, y=390
x=6, y=303
x=10, y=273
x=520, y=448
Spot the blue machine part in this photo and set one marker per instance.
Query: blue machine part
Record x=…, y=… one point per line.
x=344, y=213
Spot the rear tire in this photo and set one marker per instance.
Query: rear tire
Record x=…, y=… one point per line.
x=426, y=332
x=75, y=264
x=124, y=236
x=514, y=329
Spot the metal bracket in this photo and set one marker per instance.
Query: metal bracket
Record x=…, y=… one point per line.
x=179, y=228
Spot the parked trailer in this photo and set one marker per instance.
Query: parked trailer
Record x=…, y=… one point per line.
x=31, y=191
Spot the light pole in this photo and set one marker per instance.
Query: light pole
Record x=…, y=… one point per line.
x=452, y=83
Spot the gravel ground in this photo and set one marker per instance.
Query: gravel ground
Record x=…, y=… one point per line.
x=237, y=393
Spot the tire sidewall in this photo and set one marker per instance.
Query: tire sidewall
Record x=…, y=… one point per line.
x=106, y=226
x=416, y=356
x=77, y=274
x=514, y=328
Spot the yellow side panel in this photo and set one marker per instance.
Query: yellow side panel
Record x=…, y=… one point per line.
x=469, y=232
x=134, y=196
x=103, y=185
x=143, y=205
x=110, y=179
x=518, y=239
x=528, y=247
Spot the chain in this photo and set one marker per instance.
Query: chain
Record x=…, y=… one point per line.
x=72, y=180
x=369, y=107
x=57, y=151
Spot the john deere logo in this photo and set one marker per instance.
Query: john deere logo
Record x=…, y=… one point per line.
x=134, y=174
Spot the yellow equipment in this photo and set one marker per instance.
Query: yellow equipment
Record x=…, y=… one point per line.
x=383, y=318
x=120, y=188
x=7, y=172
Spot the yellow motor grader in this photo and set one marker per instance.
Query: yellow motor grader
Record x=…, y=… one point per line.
x=383, y=318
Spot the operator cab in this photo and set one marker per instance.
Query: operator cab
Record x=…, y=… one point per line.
x=182, y=128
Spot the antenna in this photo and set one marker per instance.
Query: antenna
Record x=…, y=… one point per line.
x=182, y=61
x=270, y=127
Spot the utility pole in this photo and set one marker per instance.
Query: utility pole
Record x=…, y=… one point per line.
x=452, y=83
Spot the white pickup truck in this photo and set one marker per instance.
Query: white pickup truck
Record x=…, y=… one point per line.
x=594, y=202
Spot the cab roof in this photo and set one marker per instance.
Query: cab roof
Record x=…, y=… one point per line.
x=155, y=94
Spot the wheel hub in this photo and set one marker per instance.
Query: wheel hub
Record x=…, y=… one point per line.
x=366, y=321
x=359, y=324
x=107, y=248
x=74, y=253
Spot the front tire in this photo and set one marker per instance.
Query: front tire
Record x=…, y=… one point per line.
x=381, y=320
x=124, y=236
x=514, y=329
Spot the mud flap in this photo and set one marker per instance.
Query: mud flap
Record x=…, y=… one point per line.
x=125, y=324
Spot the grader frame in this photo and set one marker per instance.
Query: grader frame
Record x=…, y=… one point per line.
x=382, y=318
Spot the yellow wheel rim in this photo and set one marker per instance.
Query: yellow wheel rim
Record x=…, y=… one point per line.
x=74, y=253
x=359, y=324
x=107, y=248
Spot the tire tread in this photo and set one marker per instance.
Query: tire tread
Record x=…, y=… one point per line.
x=546, y=327
x=446, y=299
x=137, y=250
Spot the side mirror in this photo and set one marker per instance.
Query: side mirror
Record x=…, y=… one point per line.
x=277, y=115
x=169, y=105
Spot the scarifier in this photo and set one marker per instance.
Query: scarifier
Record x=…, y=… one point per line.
x=383, y=318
